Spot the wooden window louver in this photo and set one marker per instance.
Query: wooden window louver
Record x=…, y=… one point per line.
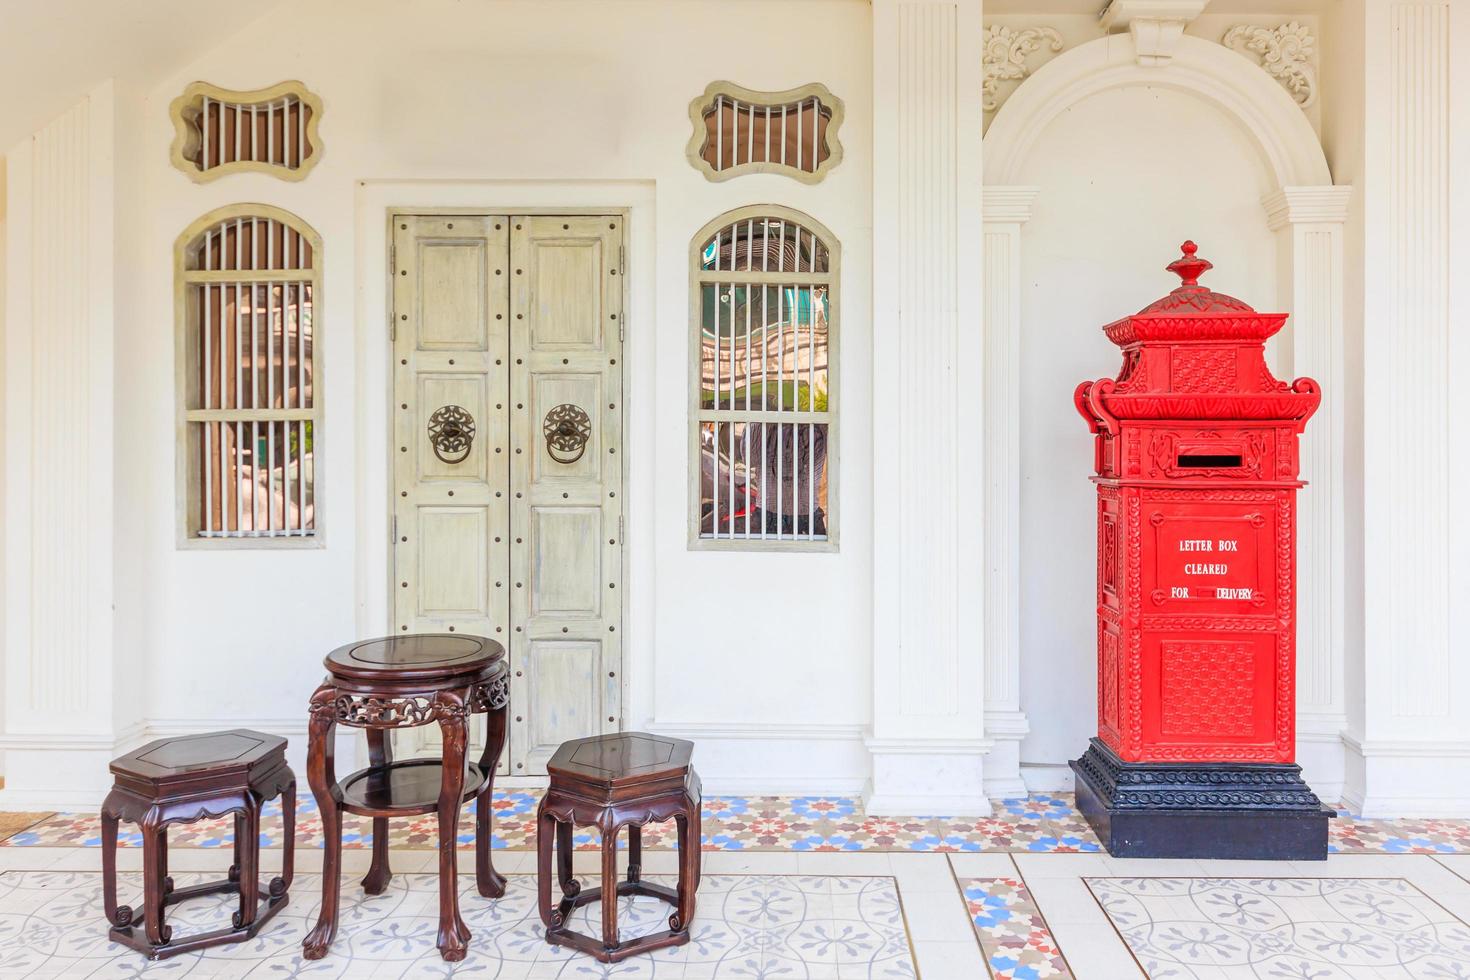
x=218, y=131
x=741, y=131
x=248, y=281
x=763, y=445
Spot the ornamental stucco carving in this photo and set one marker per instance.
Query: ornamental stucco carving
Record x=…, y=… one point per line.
x=1285, y=52
x=1006, y=51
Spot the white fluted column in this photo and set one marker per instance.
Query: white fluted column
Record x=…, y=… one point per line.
x=1006, y=209
x=70, y=706
x=927, y=739
x=1409, y=745
x=1308, y=222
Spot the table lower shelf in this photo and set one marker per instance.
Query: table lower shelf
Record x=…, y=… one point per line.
x=403, y=788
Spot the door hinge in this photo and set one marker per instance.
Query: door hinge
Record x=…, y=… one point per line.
x=620, y=529
x=393, y=306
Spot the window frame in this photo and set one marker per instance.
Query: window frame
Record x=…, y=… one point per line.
x=698, y=415
x=741, y=94
x=243, y=97
x=186, y=479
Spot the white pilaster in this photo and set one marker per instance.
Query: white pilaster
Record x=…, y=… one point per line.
x=1411, y=753
x=1006, y=209
x=60, y=720
x=927, y=740
x=1308, y=222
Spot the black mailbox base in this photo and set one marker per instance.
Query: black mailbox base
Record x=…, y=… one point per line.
x=1200, y=809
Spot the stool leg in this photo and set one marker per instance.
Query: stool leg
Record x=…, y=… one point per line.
x=570, y=887
x=609, y=884
x=689, y=832
x=546, y=827
x=153, y=844
x=119, y=916
x=321, y=775
x=454, y=935
x=280, y=885
x=635, y=853
x=165, y=881
x=249, y=844
x=380, y=755
x=234, y=873
x=490, y=882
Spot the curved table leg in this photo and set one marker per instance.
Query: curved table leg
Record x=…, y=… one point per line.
x=570, y=887
x=282, y=884
x=609, y=830
x=118, y=915
x=547, y=827
x=454, y=935
x=380, y=755
x=249, y=844
x=234, y=873
x=490, y=883
x=635, y=853
x=321, y=774
x=688, y=825
x=154, y=842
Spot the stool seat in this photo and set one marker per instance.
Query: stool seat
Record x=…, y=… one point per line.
x=614, y=781
x=188, y=778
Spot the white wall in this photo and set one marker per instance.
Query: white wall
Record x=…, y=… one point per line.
x=1124, y=177
x=731, y=646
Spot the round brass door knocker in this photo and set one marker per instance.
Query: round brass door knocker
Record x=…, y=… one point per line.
x=452, y=433
x=567, y=429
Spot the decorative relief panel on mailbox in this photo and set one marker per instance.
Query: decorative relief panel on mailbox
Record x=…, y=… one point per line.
x=1196, y=463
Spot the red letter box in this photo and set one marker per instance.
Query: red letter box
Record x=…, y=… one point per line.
x=1196, y=460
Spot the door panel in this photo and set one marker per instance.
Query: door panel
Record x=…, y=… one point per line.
x=450, y=343
x=566, y=562
x=510, y=318
x=566, y=549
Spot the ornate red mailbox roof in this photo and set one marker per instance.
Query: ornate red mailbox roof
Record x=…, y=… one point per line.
x=1196, y=354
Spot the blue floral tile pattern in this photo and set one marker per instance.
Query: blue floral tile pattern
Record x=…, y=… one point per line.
x=744, y=926
x=1303, y=928
x=1039, y=823
x=1014, y=937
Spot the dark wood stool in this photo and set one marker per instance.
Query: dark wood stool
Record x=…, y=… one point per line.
x=611, y=782
x=402, y=682
x=180, y=780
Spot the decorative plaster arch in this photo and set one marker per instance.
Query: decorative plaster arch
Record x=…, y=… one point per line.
x=1306, y=212
x=1199, y=67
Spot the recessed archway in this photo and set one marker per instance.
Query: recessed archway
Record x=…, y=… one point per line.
x=1305, y=212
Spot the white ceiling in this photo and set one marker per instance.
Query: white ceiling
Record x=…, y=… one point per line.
x=53, y=51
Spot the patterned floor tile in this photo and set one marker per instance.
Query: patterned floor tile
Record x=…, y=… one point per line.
x=744, y=926
x=1013, y=936
x=1302, y=928
x=1039, y=823
x=733, y=823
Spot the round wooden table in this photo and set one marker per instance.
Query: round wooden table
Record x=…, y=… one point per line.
x=402, y=682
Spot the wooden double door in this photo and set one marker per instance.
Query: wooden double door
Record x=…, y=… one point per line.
x=507, y=496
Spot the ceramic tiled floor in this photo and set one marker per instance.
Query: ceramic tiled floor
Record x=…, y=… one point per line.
x=973, y=914
x=1039, y=823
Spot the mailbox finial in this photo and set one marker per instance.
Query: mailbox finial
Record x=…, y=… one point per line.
x=1189, y=268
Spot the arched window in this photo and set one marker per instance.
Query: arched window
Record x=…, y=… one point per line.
x=763, y=308
x=247, y=282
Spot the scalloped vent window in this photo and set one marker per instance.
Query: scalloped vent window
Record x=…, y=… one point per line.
x=219, y=131
x=764, y=309
x=739, y=130
x=247, y=284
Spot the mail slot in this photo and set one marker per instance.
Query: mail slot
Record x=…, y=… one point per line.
x=1196, y=472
